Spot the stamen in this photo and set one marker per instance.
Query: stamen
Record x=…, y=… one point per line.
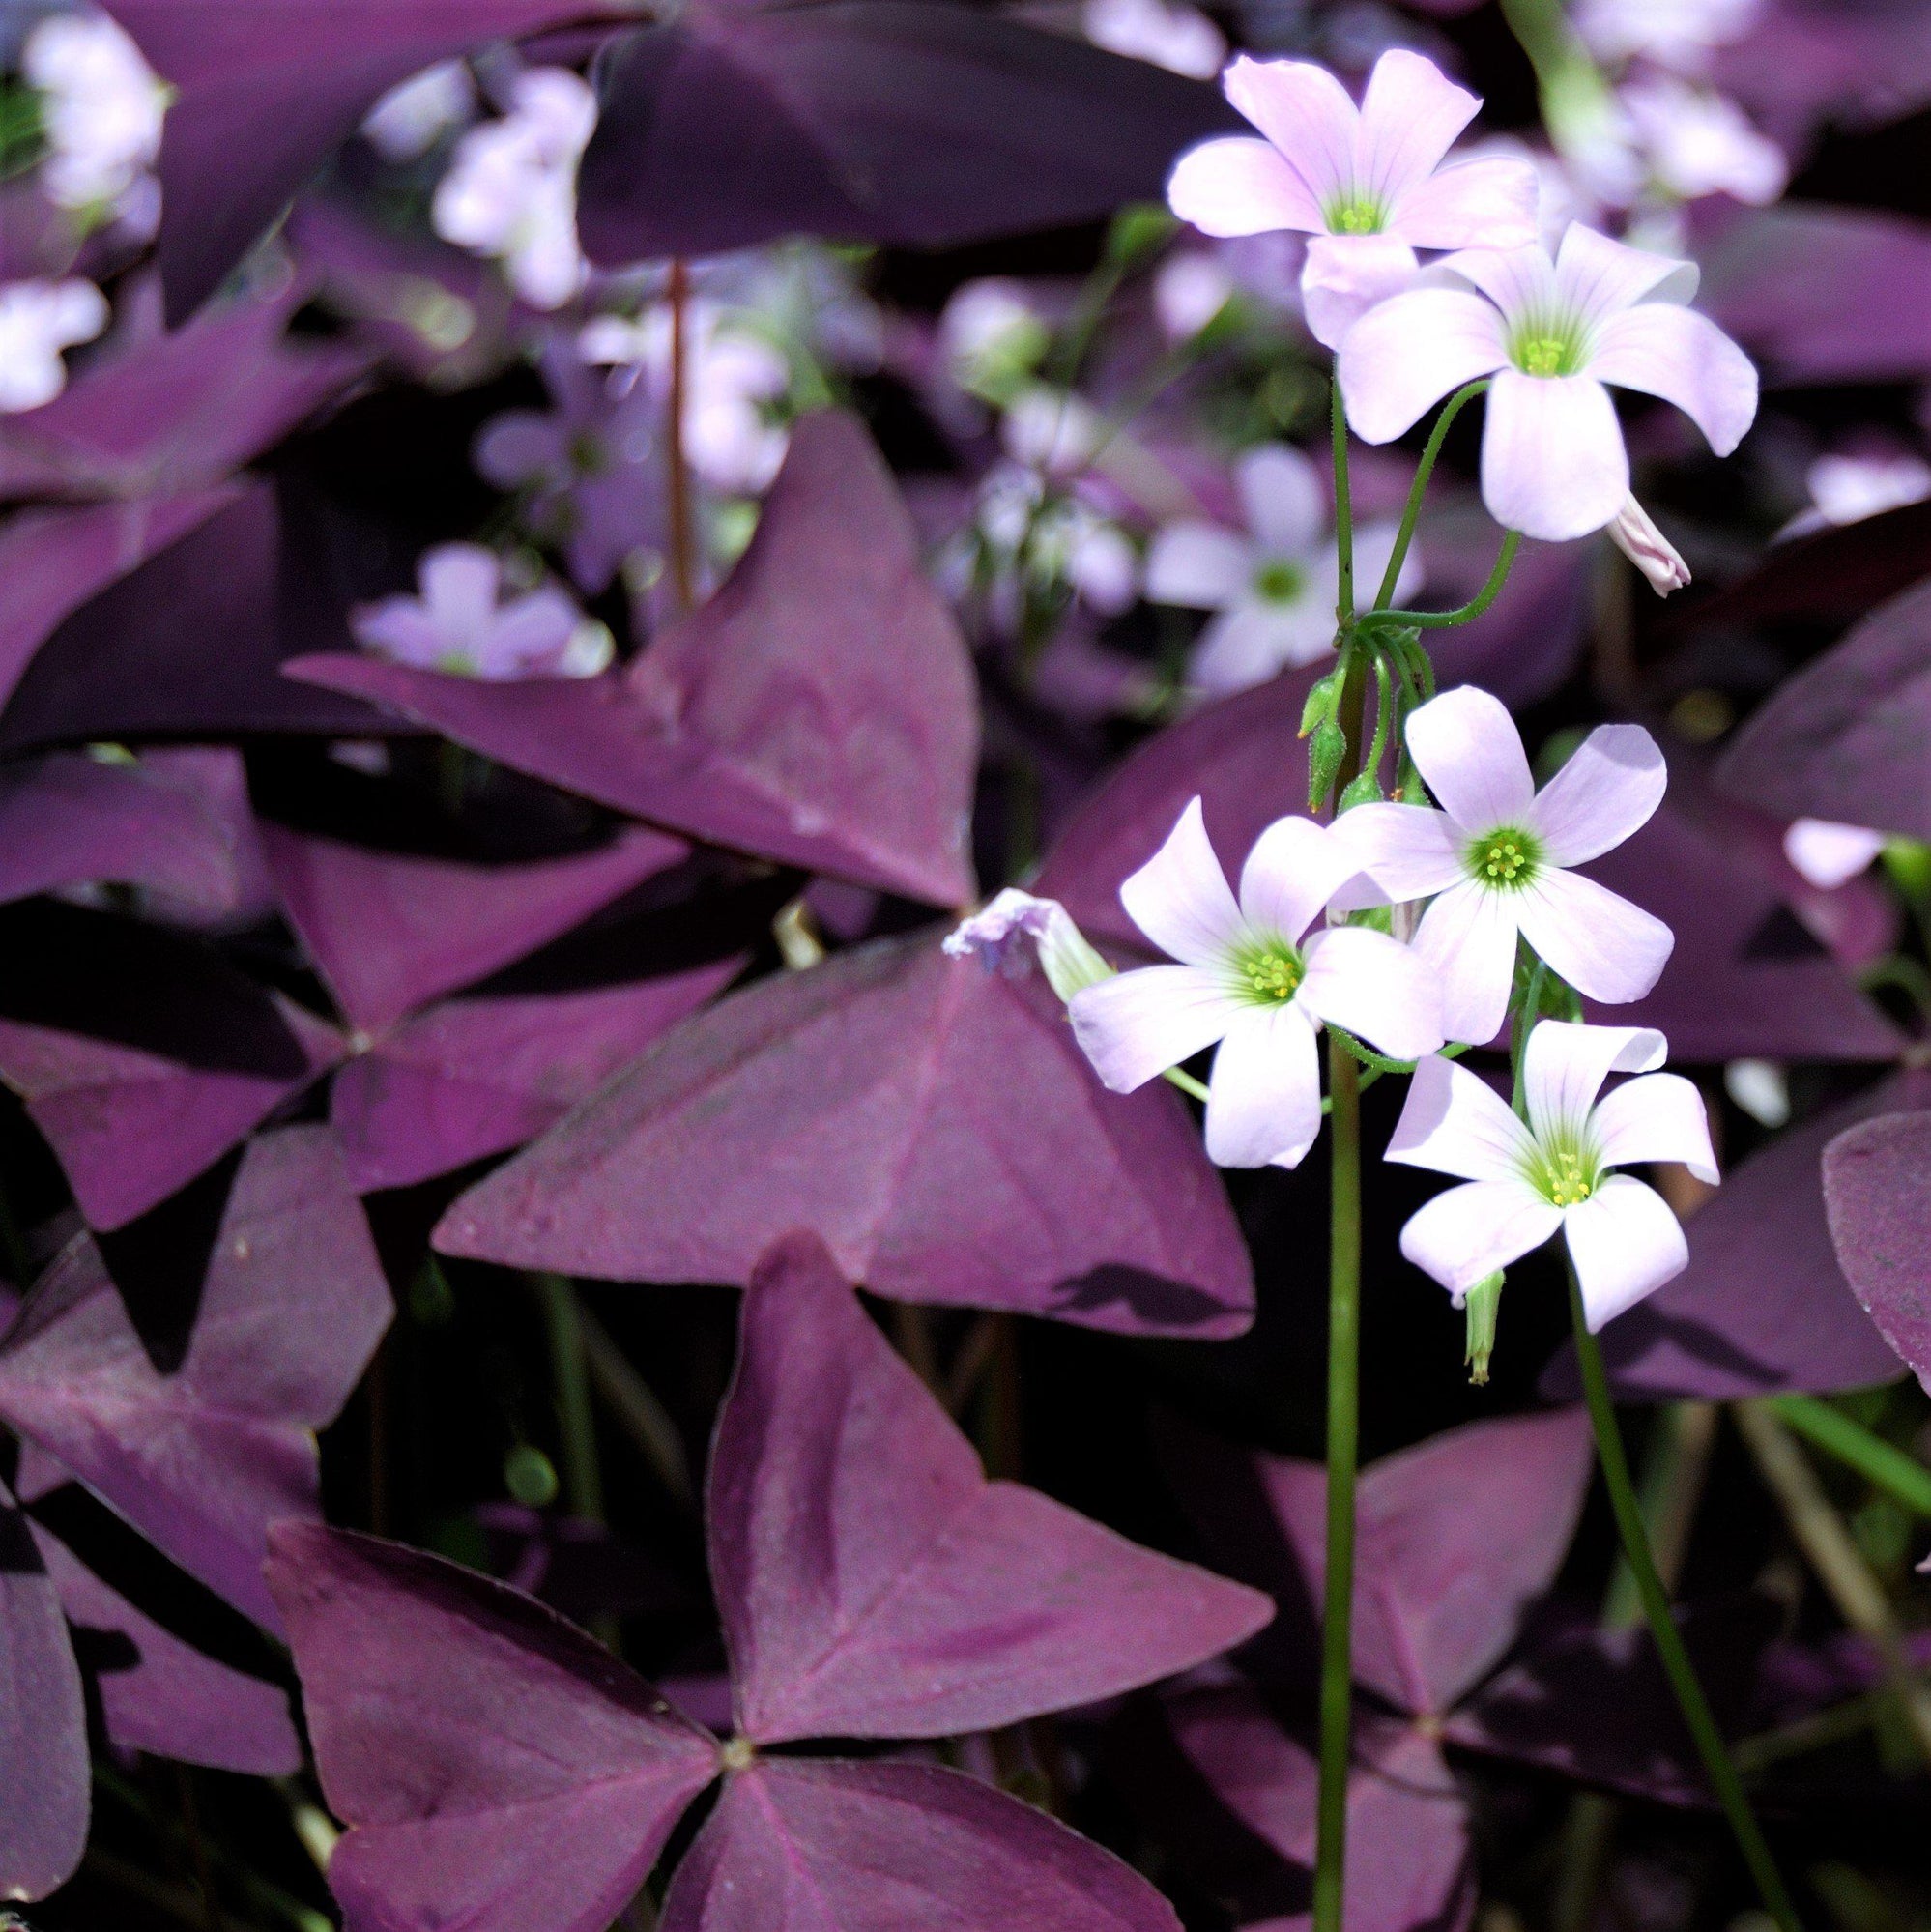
x=1568, y=1181
x=1273, y=975
x=1506, y=858
x=1279, y=580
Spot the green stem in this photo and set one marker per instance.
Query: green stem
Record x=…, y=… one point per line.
x=1526, y=1015
x=570, y=1371
x=1432, y=448
x=1465, y=614
x=1187, y=1083
x=1901, y=1477
x=1343, y=513
x=1689, y=1698
x=1343, y=1430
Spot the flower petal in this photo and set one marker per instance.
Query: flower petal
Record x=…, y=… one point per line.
x=1456, y=1123
x=1375, y=988
x=1139, y=1024
x=1344, y=276
x=1467, y=1234
x=1480, y=204
x=1563, y=1067
x=1405, y=354
x=1685, y=359
x=1626, y=1244
x=1294, y=868
x=1466, y=745
x=1410, y=117
x=1282, y=498
x=1246, y=645
x=1608, y=791
x=1553, y=465
x=1606, y=948
x=1828, y=854
x=1180, y=897
x=1408, y=851
x=1658, y=1117
x=1264, y=1099
x=1373, y=546
x=1600, y=278
x=1468, y=936
x=1198, y=565
x=1519, y=281
x=1306, y=114
x=1239, y=185
x=459, y=585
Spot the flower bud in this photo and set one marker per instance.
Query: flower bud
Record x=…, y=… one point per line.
x=1635, y=534
x=1324, y=760
x=1363, y=789
x=1484, y=1306
x=1323, y=701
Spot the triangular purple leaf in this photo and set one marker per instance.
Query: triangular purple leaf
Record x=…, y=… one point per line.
x=872, y=1584
x=819, y=711
x=933, y=1123
x=816, y=1845
x=498, y=1770
x=203, y=1457
x=1877, y=1189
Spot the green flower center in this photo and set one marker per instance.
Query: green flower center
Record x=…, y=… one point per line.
x=1542, y=346
x=1564, y=1173
x=1357, y=215
x=1506, y=858
x=1279, y=580
x=1270, y=972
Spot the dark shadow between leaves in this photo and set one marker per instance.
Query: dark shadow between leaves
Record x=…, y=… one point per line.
x=159, y=1262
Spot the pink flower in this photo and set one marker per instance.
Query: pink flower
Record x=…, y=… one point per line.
x=37, y=319
x=1525, y=1183
x=1252, y=979
x=1494, y=859
x=1176, y=37
x=459, y=626
x=1272, y=588
x=1366, y=182
x=1699, y=142
x=1552, y=334
x=1828, y=855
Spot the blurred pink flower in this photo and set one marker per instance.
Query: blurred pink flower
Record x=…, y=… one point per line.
x=1366, y=182
x=37, y=319
x=1847, y=489
x=411, y=117
x=1828, y=854
x=1168, y=32
x=101, y=108
x=1698, y=142
x=1526, y=1182
x=1677, y=34
x=1552, y=334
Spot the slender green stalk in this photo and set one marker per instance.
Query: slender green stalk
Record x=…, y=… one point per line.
x=1432, y=448
x=1465, y=614
x=1901, y=1477
x=1343, y=1432
x=1187, y=1083
x=1343, y=513
x=1682, y=1673
x=569, y=1371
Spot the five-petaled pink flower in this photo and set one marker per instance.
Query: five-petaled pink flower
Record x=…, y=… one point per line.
x=1494, y=861
x=1365, y=182
x=1525, y=1182
x=1250, y=978
x=1552, y=334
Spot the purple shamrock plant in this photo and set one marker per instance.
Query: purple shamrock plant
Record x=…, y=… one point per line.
x=492, y=1761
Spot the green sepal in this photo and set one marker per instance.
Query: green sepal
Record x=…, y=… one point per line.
x=1324, y=760
x=1482, y=1304
x=1363, y=789
x=1323, y=700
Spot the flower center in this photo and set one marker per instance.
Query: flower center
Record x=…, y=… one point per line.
x=1357, y=215
x=1544, y=346
x=1506, y=858
x=1279, y=581
x=1565, y=1172
x=1271, y=972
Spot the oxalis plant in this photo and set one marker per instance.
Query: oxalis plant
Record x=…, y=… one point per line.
x=1427, y=905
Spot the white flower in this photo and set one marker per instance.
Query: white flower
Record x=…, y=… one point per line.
x=511, y=188
x=1633, y=532
x=1557, y=1173
x=1828, y=854
x=37, y=319
x=1494, y=859
x=410, y=119
x=1677, y=34
x=1176, y=37
x=101, y=107
x=1066, y=955
x=459, y=624
x=1252, y=979
x=1273, y=587
x=1698, y=142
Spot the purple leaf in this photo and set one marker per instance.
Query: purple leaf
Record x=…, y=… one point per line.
x=935, y=1124
x=43, y=1770
x=474, y=1076
x=162, y=1695
x=819, y=711
x=1712, y=1334
x=899, y=121
x=1877, y=1189
x=267, y=88
x=872, y=1584
x=202, y=1458
x=816, y=1845
x=390, y=933
x=1805, y=62
x=1407, y=1821
x=498, y=1770
x=1849, y=737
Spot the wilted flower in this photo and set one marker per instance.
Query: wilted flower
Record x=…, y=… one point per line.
x=1633, y=532
x=994, y=933
x=1494, y=859
x=461, y=624
x=1523, y=1183
x=1365, y=182
x=101, y=107
x=410, y=119
x=1272, y=587
x=1166, y=32
x=1252, y=978
x=511, y=188
x=1552, y=334
x=37, y=319
x=1828, y=854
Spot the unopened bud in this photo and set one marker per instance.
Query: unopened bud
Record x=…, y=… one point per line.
x=1363, y=789
x=1483, y=1304
x=1323, y=701
x=1067, y=957
x=1633, y=532
x=1324, y=760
